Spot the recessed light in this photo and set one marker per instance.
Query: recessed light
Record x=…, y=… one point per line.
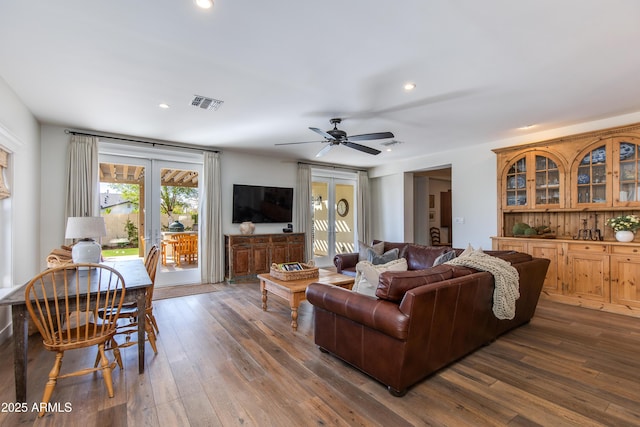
x=527, y=127
x=163, y=105
x=409, y=86
x=204, y=4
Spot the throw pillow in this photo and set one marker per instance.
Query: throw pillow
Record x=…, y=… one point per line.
x=378, y=248
x=447, y=256
x=369, y=274
x=469, y=251
x=361, y=285
x=384, y=258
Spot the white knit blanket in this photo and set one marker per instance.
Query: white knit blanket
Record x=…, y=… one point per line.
x=507, y=280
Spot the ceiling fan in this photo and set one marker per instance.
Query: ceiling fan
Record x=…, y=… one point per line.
x=337, y=136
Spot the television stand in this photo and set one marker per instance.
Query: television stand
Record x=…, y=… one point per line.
x=246, y=256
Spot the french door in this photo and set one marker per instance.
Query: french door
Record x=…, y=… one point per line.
x=334, y=215
x=167, y=209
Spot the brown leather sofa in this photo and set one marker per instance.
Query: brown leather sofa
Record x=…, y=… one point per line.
x=418, y=257
x=421, y=320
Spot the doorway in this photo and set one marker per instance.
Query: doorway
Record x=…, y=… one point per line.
x=334, y=215
x=432, y=206
x=152, y=202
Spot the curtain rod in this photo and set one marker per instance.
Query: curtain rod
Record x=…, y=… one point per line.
x=153, y=143
x=324, y=165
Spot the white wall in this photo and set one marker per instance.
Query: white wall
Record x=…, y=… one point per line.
x=388, y=207
x=421, y=189
x=236, y=168
x=20, y=213
x=473, y=185
x=239, y=168
x=473, y=193
x=54, y=154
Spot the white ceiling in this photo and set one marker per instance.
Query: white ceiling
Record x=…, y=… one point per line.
x=482, y=69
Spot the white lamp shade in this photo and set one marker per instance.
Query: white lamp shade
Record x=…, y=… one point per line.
x=85, y=227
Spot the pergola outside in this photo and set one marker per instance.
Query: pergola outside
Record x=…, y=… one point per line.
x=130, y=174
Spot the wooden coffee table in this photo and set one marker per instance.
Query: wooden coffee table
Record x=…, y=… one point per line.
x=294, y=290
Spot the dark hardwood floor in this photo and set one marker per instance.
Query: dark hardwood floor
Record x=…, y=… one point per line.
x=222, y=361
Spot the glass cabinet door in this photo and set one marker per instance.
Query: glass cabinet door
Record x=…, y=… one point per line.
x=592, y=177
x=548, y=185
x=516, y=184
x=628, y=173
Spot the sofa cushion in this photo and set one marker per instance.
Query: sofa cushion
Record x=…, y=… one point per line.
x=367, y=275
x=512, y=257
x=402, y=247
x=421, y=257
x=363, y=248
x=384, y=258
x=459, y=270
x=393, y=285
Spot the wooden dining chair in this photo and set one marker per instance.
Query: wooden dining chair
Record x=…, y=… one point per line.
x=165, y=246
x=151, y=264
x=435, y=236
x=63, y=303
x=186, y=247
x=129, y=313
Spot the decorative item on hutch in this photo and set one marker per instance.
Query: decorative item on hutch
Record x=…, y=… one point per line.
x=247, y=227
x=625, y=227
x=624, y=236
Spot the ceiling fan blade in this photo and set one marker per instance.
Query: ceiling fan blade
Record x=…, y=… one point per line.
x=325, y=150
x=426, y=101
x=362, y=148
x=323, y=133
x=294, y=143
x=370, y=136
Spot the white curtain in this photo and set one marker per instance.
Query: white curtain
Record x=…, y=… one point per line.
x=210, y=221
x=83, y=191
x=303, y=208
x=364, y=211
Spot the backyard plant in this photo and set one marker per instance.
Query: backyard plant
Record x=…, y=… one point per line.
x=132, y=231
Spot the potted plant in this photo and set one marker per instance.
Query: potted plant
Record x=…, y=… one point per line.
x=625, y=226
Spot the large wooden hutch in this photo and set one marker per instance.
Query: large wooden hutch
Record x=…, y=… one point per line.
x=572, y=185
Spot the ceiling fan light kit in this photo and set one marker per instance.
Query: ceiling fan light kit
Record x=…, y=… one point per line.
x=337, y=136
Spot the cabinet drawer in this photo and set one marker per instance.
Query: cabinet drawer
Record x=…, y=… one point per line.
x=625, y=250
x=296, y=238
x=240, y=241
x=260, y=239
x=588, y=247
x=279, y=239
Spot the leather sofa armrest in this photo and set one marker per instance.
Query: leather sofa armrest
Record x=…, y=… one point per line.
x=345, y=261
x=381, y=315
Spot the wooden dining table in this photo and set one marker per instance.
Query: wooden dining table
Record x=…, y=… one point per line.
x=136, y=280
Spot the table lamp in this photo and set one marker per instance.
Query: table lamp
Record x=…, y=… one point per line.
x=85, y=228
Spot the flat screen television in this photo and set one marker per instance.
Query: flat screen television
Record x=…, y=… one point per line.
x=260, y=204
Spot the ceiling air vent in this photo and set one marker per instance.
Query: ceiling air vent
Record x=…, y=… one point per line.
x=206, y=103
